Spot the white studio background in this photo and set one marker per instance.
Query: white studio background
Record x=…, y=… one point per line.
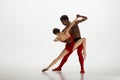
x=26, y=37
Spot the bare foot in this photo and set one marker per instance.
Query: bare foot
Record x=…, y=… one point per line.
x=84, y=55
x=43, y=70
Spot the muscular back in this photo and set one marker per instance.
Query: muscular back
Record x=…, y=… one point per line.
x=63, y=36
x=74, y=31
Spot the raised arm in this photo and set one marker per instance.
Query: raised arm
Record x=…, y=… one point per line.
x=84, y=18
x=71, y=25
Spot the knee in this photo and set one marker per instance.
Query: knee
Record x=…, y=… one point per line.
x=84, y=39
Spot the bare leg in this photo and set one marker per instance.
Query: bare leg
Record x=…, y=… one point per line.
x=78, y=43
x=84, y=48
x=63, y=61
x=63, y=53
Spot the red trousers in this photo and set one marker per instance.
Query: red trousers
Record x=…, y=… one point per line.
x=79, y=52
x=69, y=46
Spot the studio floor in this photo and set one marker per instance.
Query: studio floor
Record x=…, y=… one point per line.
x=32, y=73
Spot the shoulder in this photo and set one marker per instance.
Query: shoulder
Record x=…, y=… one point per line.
x=75, y=26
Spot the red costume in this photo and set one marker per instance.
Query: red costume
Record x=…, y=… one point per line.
x=69, y=46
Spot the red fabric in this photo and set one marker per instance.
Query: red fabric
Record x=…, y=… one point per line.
x=65, y=58
x=69, y=46
x=81, y=59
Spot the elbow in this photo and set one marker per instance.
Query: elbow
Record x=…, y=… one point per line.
x=85, y=18
x=54, y=40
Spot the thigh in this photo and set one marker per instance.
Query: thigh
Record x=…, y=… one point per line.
x=78, y=43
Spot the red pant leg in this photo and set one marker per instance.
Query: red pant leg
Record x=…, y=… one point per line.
x=81, y=59
x=65, y=58
x=69, y=47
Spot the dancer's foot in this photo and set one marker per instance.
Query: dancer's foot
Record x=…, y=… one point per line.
x=84, y=55
x=57, y=69
x=43, y=70
x=82, y=71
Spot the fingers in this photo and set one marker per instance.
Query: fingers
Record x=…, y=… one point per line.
x=78, y=15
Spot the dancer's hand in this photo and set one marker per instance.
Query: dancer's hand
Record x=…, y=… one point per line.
x=78, y=15
x=43, y=70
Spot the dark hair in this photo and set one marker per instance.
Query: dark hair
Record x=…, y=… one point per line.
x=56, y=30
x=64, y=17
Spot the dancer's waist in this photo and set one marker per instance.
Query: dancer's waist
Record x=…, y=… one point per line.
x=76, y=39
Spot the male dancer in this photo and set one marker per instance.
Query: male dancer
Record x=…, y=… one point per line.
x=76, y=34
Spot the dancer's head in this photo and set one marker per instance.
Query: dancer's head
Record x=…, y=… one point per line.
x=64, y=19
x=56, y=31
